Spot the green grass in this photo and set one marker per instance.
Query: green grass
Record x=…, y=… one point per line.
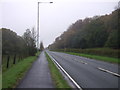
x=4, y=62
x=0, y=80
x=107, y=52
x=103, y=58
x=56, y=75
x=38, y=53
x=16, y=72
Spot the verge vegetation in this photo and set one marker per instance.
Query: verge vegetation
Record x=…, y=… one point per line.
x=96, y=57
x=11, y=77
x=104, y=54
x=108, y=52
x=15, y=48
x=98, y=35
x=57, y=77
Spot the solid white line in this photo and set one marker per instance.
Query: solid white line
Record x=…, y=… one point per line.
x=109, y=71
x=65, y=72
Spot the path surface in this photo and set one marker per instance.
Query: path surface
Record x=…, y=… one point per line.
x=86, y=72
x=38, y=76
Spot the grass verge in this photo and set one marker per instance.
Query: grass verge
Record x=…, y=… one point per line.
x=38, y=53
x=15, y=73
x=56, y=75
x=103, y=58
x=4, y=61
x=107, y=52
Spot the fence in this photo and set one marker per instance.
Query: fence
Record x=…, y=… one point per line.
x=10, y=60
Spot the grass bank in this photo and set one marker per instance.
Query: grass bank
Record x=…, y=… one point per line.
x=103, y=58
x=56, y=75
x=38, y=53
x=4, y=61
x=16, y=72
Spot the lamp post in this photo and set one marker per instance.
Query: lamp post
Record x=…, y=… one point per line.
x=38, y=23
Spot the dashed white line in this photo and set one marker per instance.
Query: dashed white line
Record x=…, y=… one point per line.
x=108, y=71
x=83, y=62
x=80, y=61
x=65, y=72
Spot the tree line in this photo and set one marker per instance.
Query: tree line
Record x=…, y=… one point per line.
x=95, y=32
x=24, y=45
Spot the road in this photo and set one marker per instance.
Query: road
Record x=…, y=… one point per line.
x=38, y=76
x=88, y=73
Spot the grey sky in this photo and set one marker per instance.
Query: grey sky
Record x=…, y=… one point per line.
x=54, y=18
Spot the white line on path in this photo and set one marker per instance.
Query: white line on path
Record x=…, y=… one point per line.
x=65, y=72
x=108, y=71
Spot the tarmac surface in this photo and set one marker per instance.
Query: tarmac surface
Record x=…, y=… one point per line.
x=38, y=76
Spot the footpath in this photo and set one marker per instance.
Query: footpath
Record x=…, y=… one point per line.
x=38, y=76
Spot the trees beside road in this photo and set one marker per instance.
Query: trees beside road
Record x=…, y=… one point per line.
x=15, y=47
x=15, y=44
x=41, y=46
x=95, y=32
x=30, y=40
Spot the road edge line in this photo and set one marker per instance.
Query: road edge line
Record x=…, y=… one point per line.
x=75, y=83
x=108, y=71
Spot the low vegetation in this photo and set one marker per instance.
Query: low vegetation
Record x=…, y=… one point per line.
x=56, y=75
x=37, y=54
x=11, y=60
x=96, y=57
x=16, y=72
x=108, y=52
x=104, y=54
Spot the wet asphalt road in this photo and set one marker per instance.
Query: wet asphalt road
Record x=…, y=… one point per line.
x=85, y=71
x=38, y=76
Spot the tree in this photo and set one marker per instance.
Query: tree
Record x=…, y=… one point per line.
x=98, y=31
x=113, y=40
x=30, y=41
x=41, y=46
x=13, y=44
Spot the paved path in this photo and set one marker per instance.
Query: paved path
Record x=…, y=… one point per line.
x=86, y=71
x=38, y=76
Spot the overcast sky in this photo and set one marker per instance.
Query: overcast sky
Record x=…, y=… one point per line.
x=55, y=18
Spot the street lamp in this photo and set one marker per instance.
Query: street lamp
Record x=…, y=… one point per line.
x=38, y=23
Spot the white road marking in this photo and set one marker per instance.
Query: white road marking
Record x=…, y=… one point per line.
x=80, y=61
x=108, y=71
x=65, y=72
x=83, y=62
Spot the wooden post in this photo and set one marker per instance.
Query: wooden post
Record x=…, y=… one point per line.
x=19, y=58
x=14, y=60
x=8, y=61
